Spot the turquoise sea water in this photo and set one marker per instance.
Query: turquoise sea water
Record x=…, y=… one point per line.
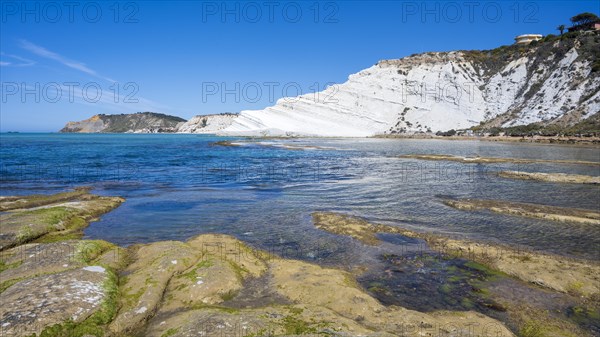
x=263, y=192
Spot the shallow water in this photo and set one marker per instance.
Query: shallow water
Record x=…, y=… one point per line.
x=178, y=186
x=426, y=281
x=263, y=192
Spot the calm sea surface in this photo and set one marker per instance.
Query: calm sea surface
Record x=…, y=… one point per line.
x=264, y=192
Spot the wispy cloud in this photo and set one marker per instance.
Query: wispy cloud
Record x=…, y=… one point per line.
x=111, y=100
x=9, y=60
x=43, y=52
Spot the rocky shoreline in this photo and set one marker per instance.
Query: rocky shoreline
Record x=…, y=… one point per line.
x=527, y=272
x=55, y=287
x=494, y=160
x=53, y=283
x=579, y=141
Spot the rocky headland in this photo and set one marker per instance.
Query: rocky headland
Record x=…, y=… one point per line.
x=150, y=122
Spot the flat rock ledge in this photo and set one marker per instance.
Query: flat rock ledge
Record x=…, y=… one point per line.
x=30, y=306
x=551, y=271
x=553, y=213
x=551, y=177
x=495, y=160
x=50, y=218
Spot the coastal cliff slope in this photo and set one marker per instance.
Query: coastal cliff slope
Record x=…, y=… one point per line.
x=142, y=122
x=150, y=122
x=552, y=81
x=207, y=123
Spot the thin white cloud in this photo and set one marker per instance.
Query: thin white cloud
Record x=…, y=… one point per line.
x=43, y=52
x=9, y=61
x=108, y=99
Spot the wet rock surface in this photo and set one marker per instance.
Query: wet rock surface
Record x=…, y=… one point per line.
x=515, y=286
x=494, y=160
x=554, y=213
x=551, y=177
x=550, y=271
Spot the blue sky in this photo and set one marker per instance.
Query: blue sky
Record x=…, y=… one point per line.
x=200, y=57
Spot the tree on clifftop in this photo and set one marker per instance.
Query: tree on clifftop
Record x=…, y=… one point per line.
x=584, y=19
x=561, y=28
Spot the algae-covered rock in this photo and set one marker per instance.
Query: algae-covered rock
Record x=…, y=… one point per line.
x=145, y=279
x=210, y=281
x=245, y=260
x=35, y=258
x=36, y=200
x=551, y=271
x=211, y=285
x=264, y=321
x=54, y=285
x=53, y=221
x=208, y=298
x=207, y=270
x=336, y=290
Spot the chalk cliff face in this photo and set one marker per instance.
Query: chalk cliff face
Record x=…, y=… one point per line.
x=143, y=122
x=553, y=81
x=207, y=123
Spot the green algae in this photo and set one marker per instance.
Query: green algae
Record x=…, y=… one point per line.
x=170, y=332
x=88, y=250
x=36, y=200
x=94, y=325
x=4, y=266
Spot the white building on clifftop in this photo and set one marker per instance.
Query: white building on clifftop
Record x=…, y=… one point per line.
x=527, y=38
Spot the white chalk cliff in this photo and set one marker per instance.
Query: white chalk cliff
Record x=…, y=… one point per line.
x=207, y=123
x=551, y=81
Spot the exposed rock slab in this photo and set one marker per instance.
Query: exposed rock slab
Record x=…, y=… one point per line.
x=551, y=177
x=33, y=259
x=554, y=213
x=207, y=123
x=494, y=160
x=30, y=201
x=53, y=217
x=554, y=272
x=32, y=305
x=145, y=281
x=317, y=300
x=199, y=287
